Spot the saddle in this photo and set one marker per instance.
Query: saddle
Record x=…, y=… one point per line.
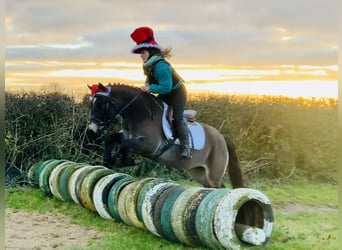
x=195, y=128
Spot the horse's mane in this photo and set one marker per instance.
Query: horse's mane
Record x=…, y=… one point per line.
x=136, y=90
x=123, y=86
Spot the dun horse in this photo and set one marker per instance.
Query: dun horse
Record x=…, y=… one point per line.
x=142, y=125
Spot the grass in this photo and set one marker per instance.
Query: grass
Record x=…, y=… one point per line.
x=304, y=192
x=311, y=229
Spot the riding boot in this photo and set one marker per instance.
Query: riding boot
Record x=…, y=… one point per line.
x=183, y=135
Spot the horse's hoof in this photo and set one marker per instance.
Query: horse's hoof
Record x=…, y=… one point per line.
x=125, y=162
x=109, y=163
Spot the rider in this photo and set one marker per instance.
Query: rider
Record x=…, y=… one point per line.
x=163, y=80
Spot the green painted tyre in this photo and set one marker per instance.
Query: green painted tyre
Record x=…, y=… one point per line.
x=87, y=187
x=113, y=196
x=53, y=179
x=45, y=175
x=39, y=170
x=101, y=191
x=63, y=182
x=157, y=215
x=147, y=209
x=31, y=173
x=229, y=207
x=178, y=217
x=205, y=218
x=131, y=203
x=166, y=214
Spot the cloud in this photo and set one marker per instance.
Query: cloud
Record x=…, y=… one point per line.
x=215, y=32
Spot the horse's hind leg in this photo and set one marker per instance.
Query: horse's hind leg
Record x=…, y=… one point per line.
x=201, y=175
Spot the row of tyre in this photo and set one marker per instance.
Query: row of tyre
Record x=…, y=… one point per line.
x=194, y=216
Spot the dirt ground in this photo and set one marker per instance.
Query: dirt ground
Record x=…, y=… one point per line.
x=43, y=231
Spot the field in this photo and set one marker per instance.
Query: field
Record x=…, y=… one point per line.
x=287, y=149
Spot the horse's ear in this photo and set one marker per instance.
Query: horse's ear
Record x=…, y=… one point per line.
x=102, y=87
x=89, y=86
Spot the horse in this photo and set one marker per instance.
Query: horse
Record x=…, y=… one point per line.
x=141, y=116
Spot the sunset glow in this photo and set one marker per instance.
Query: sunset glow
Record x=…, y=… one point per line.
x=233, y=47
x=289, y=80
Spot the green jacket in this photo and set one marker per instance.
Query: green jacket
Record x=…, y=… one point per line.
x=160, y=76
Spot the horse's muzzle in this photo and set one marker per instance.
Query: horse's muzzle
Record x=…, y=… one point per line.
x=93, y=131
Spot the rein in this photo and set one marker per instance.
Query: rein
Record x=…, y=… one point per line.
x=127, y=105
x=149, y=109
x=121, y=110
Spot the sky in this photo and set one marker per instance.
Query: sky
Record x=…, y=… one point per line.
x=218, y=41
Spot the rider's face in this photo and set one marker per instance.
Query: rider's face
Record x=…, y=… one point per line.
x=144, y=54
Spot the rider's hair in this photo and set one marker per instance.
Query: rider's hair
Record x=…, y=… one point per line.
x=164, y=53
x=167, y=52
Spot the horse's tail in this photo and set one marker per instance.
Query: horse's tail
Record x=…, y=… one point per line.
x=234, y=170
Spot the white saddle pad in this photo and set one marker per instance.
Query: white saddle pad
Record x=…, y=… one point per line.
x=197, y=135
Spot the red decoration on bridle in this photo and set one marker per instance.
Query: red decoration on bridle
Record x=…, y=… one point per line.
x=97, y=88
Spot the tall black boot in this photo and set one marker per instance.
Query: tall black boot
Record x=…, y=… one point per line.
x=184, y=139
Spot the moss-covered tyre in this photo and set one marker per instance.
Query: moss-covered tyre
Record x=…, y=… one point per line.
x=31, y=173
x=113, y=196
x=122, y=209
x=54, y=178
x=63, y=182
x=243, y=206
x=190, y=216
x=166, y=214
x=87, y=187
x=204, y=220
x=178, y=216
x=141, y=196
x=80, y=178
x=100, y=193
x=147, y=209
x=131, y=203
x=73, y=180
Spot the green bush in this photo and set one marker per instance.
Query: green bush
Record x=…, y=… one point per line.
x=40, y=126
x=275, y=137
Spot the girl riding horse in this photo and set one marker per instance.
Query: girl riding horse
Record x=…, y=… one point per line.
x=163, y=80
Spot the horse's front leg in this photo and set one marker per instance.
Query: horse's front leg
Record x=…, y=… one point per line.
x=124, y=155
x=126, y=152
x=110, y=142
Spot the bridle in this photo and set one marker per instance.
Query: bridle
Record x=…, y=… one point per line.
x=117, y=108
